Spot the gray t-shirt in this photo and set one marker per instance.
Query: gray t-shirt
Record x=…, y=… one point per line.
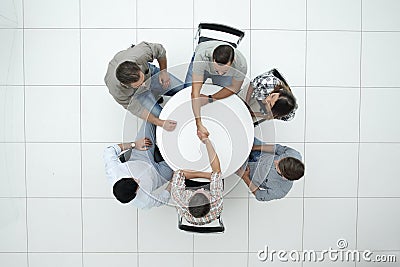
x=141, y=54
x=203, y=61
x=264, y=175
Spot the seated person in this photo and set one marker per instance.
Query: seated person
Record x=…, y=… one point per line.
x=271, y=171
x=201, y=206
x=135, y=180
x=135, y=83
x=271, y=90
x=226, y=67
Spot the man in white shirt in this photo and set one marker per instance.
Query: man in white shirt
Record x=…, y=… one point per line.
x=136, y=180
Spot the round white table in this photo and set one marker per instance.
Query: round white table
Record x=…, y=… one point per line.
x=228, y=122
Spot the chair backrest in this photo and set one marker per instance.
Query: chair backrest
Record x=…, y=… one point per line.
x=219, y=28
x=193, y=185
x=201, y=229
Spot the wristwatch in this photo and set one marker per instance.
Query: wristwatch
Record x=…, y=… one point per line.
x=210, y=99
x=133, y=144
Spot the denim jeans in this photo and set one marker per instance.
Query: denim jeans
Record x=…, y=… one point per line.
x=147, y=98
x=220, y=80
x=255, y=154
x=149, y=130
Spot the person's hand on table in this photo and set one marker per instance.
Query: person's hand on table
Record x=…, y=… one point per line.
x=164, y=79
x=168, y=125
x=143, y=144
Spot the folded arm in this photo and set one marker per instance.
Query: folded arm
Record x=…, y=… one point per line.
x=264, y=148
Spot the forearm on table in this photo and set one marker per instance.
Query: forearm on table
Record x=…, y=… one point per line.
x=223, y=93
x=252, y=187
x=264, y=148
x=228, y=90
x=213, y=157
x=196, y=174
x=147, y=116
x=196, y=105
x=125, y=146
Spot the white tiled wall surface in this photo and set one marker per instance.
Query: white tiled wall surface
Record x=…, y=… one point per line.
x=56, y=116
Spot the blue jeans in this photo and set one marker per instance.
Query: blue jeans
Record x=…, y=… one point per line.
x=255, y=154
x=147, y=98
x=149, y=130
x=149, y=102
x=220, y=80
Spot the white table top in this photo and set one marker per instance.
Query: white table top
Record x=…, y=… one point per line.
x=228, y=122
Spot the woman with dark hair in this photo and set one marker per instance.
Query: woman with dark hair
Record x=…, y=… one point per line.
x=273, y=95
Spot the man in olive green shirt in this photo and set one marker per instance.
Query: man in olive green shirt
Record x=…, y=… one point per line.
x=135, y=83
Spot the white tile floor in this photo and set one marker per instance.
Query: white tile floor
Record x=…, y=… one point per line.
x=56, y=116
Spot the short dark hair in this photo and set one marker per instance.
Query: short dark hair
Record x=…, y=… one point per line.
x=125, y=190
x=291, y=168
x=128, y=72
x=199, y=205
x=285, y=104
x=223, y=54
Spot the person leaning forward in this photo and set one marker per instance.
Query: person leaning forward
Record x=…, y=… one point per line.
x=135, y=83
x=226, y=67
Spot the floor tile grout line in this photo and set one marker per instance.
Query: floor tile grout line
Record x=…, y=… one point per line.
x=305, y=120
x=25, y=146
x=359, y=128
x=80, y=130
x=187, y=28
x=137, y=211
x=163, y=252
x=193, y=48
x=280, y=141
x=293, y=86
x=231, y=198
x=248, y=199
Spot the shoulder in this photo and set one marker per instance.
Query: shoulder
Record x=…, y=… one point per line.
x=264, y=76
x=178, y=174
x=287, y=151
x=208, y=46
x=240, y=58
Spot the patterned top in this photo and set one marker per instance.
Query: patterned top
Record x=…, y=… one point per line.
x=263, y=86
x=182, y=197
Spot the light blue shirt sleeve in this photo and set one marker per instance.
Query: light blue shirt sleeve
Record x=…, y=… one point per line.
x=284, y=151
x=268, y=194
x=152, y=200
x=111, y=160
